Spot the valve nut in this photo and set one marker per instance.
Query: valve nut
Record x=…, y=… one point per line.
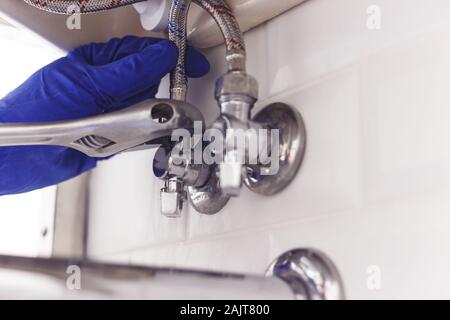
x=172, y=198
x=237, y=83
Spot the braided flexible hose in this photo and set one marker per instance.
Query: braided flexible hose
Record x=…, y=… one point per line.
x=178, y=34
x=218, y=9
x=224, y=17
x=85, y=6
x=234, y=39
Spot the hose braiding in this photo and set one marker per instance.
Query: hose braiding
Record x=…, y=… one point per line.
x=218, y=9
x=234, y=39
x=178, y=34
x=84, y=6
x=224, y=17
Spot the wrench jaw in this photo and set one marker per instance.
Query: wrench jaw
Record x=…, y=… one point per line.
x=142, y=126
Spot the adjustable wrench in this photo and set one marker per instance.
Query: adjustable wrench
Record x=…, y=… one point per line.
x=138, y=127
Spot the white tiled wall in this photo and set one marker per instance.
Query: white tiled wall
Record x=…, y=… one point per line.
x=374, y=189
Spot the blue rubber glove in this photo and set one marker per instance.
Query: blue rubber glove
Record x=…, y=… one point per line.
x=91, y=80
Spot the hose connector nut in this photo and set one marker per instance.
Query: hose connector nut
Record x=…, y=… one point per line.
x=172, y=198
x=236, y=83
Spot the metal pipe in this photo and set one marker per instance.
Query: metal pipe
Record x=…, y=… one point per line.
x=297, y=274
x=35, y=278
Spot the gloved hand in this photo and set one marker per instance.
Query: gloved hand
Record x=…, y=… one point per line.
x=92, y=79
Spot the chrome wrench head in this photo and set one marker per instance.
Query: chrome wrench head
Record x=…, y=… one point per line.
x=138, y=127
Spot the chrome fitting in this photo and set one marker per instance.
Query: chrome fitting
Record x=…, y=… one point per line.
x=236, y=94
x=173, y=196
x=175, y=168
x=236, y=85
x=230, y=174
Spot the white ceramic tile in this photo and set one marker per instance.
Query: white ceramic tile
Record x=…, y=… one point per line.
x=394, y=237
x=258, y=63
x=201, y=91
x=125, y=206
x=405, y=117
x=116, y=258
x=321, y=36
x=240, y=253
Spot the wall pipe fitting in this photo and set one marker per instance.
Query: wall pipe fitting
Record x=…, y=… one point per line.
x=236, y=92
